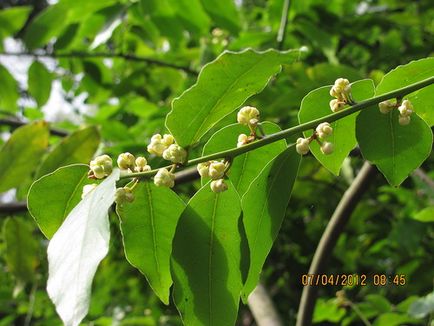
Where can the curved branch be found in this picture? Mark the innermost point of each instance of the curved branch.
(262, 307)
(334, 228)
(283, 24)
(17, 123)
(85, 55)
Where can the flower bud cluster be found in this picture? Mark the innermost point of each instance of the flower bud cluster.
(124, 195)
(302, 146)
(216, 171)
(127, 161)
(175, 154)
(164, 178)
(405, 111)
(160, 143)
(341, 90)
(248, 116)
(323, 131)
(101, 166)
(386, 106)
(218, 185)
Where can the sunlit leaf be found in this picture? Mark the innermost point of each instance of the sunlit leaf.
(148, 226)
(76, 250)
(8, 91)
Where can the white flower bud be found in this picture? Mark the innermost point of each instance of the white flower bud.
(123, 195)
(168, 140)
(302, 146)
(386, 106)
(247, 114)
(87, 189)
(404, 120)
(159, 144)
(218, 185)
(203, 169)
(242, 140)
(164, 178)
(101, 166)
(406, 108)
(341, 84)
(327, 148)
(336, 105)
(175, 153)
(324, 129)
(216, 170)
(141, 165)
(341, 89)
(126, 161)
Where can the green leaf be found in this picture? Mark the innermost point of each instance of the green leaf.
(76, 250)
(21, 252)
(52, 197)
(206, 259)
(423, 99)
(425, 215)
(316, 105)
(148, 226)
(79, 147)
(8, 91)
(392, 319)
(264, 206)
(223, 85)
(39, 82)
(12, 20)
(422, 307)
(396, 150)
(245, 167)
(19, 155)
(224, 13)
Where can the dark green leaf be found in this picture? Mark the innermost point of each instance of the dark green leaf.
(316, 105)
(12, 20)
(39, 82)
(423, 99)
(264, 206)
(20, 154)
(21, 252)
(396, 150)
(148, 226)
(79, 147)
(206, 259)
(223, 85)
(245, 167)
(8, 91)
(53, 196)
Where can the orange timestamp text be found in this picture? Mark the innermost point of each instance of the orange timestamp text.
(353, 279)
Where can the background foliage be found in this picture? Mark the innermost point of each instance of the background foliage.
(118, 64)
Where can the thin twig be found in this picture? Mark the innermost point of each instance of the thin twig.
(262, 307)
(85, 55)
(17, 123)
(334, 228)
(281, 34)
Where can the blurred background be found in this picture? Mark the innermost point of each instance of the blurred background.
(118, 64)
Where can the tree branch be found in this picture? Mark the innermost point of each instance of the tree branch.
(85, 55)
(283, 23)
(334, 228)
(262, 307)
(17, 123)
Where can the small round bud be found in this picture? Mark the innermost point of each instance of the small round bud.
(101, 166)
(87, 189)
(336, 105)
(141, 164)
(404, 120)
(98, 171)
(217, 170)
(302, 146)
(406, 108)
(324, 130)
(242, 140)
(126, 161)
(247, 114)
(164, 178)
(159, 144)
(341, 84)
(175, 153)
(327, 148)
(123, 195)
(386, 106)
(168, 140)
(203, 169)
(218, 185)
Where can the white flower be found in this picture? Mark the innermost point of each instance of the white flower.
(324, 129)
(242, 140)
(101, 166)
(126, 161)
(164, 178)
(336, 105)
(159, 144)
(141, 165)
(175, 154)
(406, 108)
(302, 146)
(327, 148)
(216, 170)
(248, 115)
(404, 120)
(203, 169)
(218, 185)
(87, 189)
(386, 106)
(341, 89)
